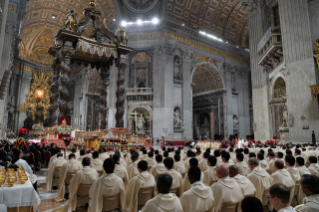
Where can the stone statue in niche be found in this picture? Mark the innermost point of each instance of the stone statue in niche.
(177, 118)
(177, 68)
(141, 123)
(235, 124)
(284, 117)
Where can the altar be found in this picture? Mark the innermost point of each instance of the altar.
(91, 138)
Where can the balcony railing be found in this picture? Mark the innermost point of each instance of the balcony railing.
(270, 53)
(139, 94)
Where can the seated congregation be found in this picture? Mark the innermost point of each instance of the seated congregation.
(255, 179)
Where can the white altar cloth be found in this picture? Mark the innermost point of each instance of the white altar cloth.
(19, 195)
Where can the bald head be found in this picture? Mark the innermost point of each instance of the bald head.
(222, 171)
(233, 171)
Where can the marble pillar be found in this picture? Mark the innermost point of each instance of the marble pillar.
(298, 56)
(259, 77)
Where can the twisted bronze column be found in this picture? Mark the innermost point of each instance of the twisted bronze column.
(65, 78)
(103, 102)
(120, 93)
(54, 93)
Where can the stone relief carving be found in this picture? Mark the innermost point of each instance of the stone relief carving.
(177, 68)
(177, 118)
(194, 61)
(166, 49)
(251, 5)
(235, 124)
(220, 66)
(233, 81)
(11, 28)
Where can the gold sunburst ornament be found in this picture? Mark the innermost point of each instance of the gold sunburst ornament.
(39, 95)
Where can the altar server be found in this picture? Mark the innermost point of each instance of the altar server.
(259, 178)
(96, 163)
(71, 166)
(199, 197)
(132, 170)
(86, 176)
(159, 168)
(179, 165)
(164, 201)
(108, 185)
(242, 166)
(225, 190)
(177, 177)
(142, 180)
(57, 163)
(282, 176)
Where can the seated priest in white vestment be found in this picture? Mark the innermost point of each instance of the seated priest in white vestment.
(226, 158)
(103, 154)
(159, 168)
(73, 151)
(282, 176)
(279, 198)
(96, 163)
(210, 176)
(314, 166)
(164, 201)
(24, 164)
(302, 169)
(247, 188)
(120, 169)
(190, 154)
(144, 154)
(186, 184)
(86, 176)
(71, 166)
(262, 162)
(246, 155)
(226, 190)
(82, 155)
(108, 185)
(132, 170)
(242, 166)
(310, 187)
(218, 157)
(294, 173)
(150, 160)
(177, 177)
(280, 156)
(199, 197)
(203, 163)
(142, 180)
(271, 162)
(128, 159)
(179, 165)
(57, 163)
(89, 154)
(199, 154)
(232, 154)
(259, 178)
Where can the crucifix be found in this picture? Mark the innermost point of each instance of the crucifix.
(135, 116)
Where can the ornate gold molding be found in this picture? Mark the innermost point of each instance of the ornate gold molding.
(172, 35)
(316, 52)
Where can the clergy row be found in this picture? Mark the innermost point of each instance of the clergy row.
(142, 172)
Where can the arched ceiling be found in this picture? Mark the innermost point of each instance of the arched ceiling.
(44, 17)
(225, 19)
